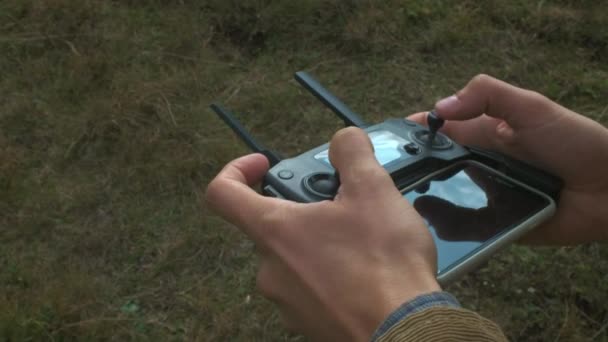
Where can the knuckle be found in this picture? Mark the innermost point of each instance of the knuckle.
(274, 222)
(213, 191)
(482, 80)
(537, 99)
(480, 84)
(272, 217)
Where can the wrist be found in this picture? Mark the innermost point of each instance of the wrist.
(418, 304)
(392, 296)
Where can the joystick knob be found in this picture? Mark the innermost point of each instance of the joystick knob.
(434, 122)
(429, 137)
(324, 185)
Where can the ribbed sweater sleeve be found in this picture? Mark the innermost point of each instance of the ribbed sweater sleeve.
(442, 323)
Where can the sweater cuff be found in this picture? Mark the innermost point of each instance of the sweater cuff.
(415, 305)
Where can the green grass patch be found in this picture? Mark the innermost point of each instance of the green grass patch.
(107, 142)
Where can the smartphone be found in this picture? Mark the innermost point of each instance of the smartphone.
(473, 211)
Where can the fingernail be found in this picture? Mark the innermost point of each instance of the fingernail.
(447, 104)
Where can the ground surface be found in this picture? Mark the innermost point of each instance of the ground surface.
(107, 142)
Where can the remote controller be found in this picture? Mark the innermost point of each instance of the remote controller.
(407, 150)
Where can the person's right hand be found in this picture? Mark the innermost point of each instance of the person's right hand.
(523, 124)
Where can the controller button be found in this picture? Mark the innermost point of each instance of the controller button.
(324, 185)
(285, 174)
(411, 148)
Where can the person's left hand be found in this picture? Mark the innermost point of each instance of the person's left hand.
(336, 269)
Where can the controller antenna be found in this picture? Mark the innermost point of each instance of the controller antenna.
(349, 117)
(273, 157)
(435, 123)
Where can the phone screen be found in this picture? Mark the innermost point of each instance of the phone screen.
(467, 206)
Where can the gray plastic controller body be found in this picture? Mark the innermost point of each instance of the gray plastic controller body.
(397, 146)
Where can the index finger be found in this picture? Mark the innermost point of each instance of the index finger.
(487, 95)
(230, 194)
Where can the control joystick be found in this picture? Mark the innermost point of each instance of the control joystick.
(430, 137)
(324, 185)
(438, 142)
(435, 123)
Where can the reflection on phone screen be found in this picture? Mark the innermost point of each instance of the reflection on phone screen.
(388, 147)
(468, 206)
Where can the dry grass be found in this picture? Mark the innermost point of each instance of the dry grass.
(106, 143)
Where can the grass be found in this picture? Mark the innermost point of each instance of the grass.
(107, 142)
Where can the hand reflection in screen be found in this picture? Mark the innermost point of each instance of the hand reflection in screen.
(506, 205)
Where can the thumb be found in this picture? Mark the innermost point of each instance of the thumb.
(352, 154)
(519, 108)
(229, 194)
